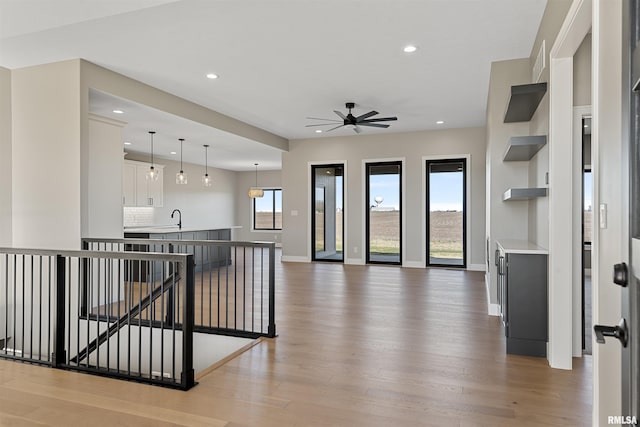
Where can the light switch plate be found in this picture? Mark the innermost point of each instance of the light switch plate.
(603, 215)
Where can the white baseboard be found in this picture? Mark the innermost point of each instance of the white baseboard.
(413, 264)
(494, 309)
(475, 267)
(354, 261)
(288, 258)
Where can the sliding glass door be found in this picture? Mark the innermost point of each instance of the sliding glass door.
(327, 186)
(446, 212)
(384, 216)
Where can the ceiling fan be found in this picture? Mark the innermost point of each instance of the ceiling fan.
(351, 120)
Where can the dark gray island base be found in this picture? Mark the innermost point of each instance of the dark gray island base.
(205, 257)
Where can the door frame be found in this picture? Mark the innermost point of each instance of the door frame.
(467, 204)
(579, 112)
(365, 198)
(363, 202)
(310, 203)
(427, 209)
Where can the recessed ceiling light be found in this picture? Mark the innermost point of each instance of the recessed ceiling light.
(318, 130)
(127, 143)
(440, 122)
(212, 76)
(173, 152)
(409, 49)
(118, 111)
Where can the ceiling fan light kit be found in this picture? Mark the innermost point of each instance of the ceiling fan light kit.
(351, 120)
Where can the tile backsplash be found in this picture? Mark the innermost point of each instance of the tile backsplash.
(134, 217)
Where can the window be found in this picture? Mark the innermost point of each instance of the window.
(267, 210)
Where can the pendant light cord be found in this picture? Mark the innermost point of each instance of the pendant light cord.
(151, 132)
(181, 141)
(256, 174)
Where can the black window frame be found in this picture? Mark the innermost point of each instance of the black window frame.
(273, 216)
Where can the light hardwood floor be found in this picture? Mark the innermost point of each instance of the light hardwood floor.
(357, 346)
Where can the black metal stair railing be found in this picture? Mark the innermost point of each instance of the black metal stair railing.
(157, 292)
(234, 281)
(79, 310)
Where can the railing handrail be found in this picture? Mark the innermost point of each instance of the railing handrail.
(135, 241)
(129, 255)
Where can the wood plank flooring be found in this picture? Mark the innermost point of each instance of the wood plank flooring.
(357, 346)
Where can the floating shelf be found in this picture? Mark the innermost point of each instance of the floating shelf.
(523, 193)
(524, 101)
(523, 147)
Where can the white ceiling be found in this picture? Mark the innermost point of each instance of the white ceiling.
(281, 61)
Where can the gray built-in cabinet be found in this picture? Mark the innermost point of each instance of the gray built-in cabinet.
(522, 296)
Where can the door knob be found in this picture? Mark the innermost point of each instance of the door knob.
(621, 274)
(619, 331)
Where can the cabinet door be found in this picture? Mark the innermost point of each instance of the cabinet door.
(155, 189)
(142, 194)
(129, 185)
(526, 296)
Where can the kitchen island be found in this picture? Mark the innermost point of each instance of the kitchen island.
(205, 257)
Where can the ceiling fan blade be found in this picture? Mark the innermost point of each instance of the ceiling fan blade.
(342, 116)
(329, 130)
(326, 120)
(366, 115)
(381, 119)
(375, 125)
(320, 124)
(357, 129)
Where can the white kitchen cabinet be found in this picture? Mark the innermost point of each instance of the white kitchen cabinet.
(128, 184)
(137, 190)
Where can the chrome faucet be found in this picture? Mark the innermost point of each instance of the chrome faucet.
(179, 218)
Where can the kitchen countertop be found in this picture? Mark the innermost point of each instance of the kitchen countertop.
(512, 246)
(166, 229)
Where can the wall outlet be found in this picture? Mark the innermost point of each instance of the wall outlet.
(294, 213)
(355, 249)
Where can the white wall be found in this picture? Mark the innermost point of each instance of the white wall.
(412, 146)
(538, 226)
(5, 158)
(46, 121)
(504, 220)
(244, 205)
(102, 175)
(207, 207)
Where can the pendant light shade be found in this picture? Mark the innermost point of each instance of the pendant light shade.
(255, 192)
(152, 174)
(181, 177)
(207, 181)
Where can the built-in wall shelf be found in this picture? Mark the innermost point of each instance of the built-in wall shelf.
(523, 194)
(524, 101)
(522, 148)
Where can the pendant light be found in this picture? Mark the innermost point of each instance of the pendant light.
(206, 179)
(181, 177)
(152, 174)
(255, 192)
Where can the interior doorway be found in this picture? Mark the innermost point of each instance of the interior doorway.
(587, 233)
(446, 186)
(327, 220)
